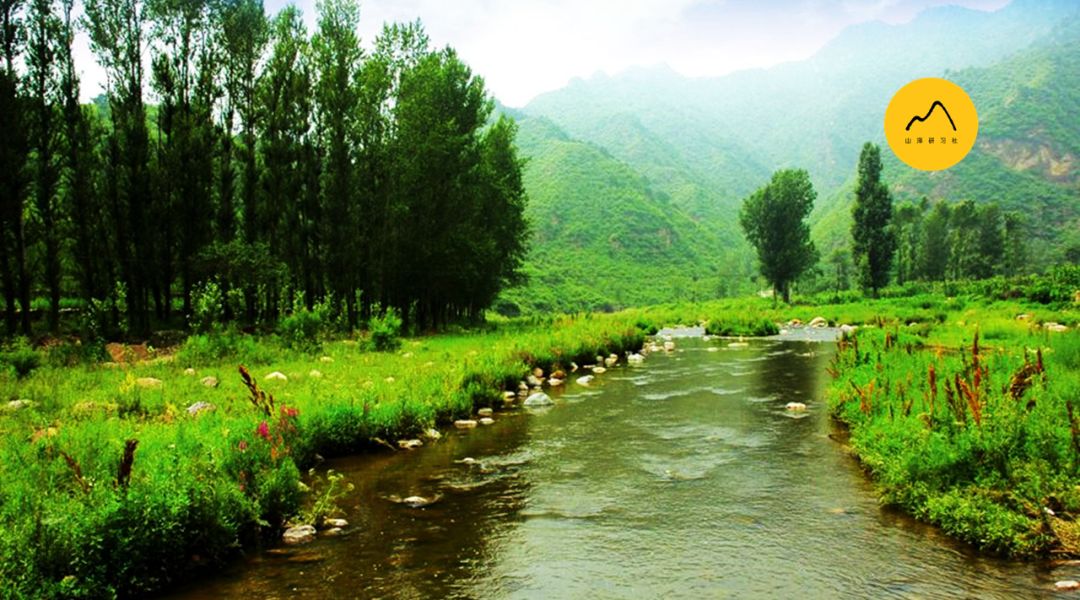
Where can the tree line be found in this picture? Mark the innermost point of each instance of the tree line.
(232, 147)
(911, 241)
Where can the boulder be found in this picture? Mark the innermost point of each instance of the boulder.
(340, 523)
(199, 408)
(1067, 585)
(315, 374)
(819, 322)
(485, 412)
(586, 380)
(795, 407)
(149, 383)
(189, 372)
(301, 534)
(533, 381)
(538, 373)
(539, 399)
(465, 423)
(487, 421)
(276, 376)
(555, 382)
(409, 444)
(210, 381)
(558, 374)
(20, 404)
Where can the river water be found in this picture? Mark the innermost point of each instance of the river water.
(680, 478)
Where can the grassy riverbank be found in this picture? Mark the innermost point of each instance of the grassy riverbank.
(87, 511)
(971, 421)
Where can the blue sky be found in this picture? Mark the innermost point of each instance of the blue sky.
(527, 47)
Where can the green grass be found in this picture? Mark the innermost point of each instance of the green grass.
(979, 438)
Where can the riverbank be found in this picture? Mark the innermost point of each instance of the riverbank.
(120, 479)
(972, 422)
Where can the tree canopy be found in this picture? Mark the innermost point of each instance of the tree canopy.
(774, 220)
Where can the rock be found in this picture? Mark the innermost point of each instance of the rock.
(419, 501)
(509, 396)
(795, 407)
(794, 323)
(533, 381)
(1023, 317)
(523, 387)
(341, 523)
(1066, 585)
(210, 381)
(300, 534)
(20, 404)
(465, 423)
(538, 373)
(635, 358)
(390, 379)
(409, 444)
(333, 532)
(586, 380)
(555, 382)
(431, 435)
(611, 361)
(669, 346)
(149, 383)
(819, 322)
(599, 370)
(468, 460)
(485, 412)
(1055, 327)
(487, 421)
(539, 399)
(189, 372)
(558, 374)
(315, 374)
(573, 367)
(276, 376)
(199, 408)
(738, 344)
(847, 329)
(326, 359)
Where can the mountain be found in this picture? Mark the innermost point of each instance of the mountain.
(602, 236)
(695, 148)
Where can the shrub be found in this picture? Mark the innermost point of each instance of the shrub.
(302, 328)
(21, 357)
(385, 330)
(207, 307)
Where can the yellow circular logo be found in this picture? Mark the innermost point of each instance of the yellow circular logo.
(931, 124)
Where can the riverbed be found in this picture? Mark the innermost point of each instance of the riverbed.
(682, 477)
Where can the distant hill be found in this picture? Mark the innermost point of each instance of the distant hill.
(694, 148)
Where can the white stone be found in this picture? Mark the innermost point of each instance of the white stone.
(586, 380)
(189, 372)
(276, 376)
(149, 383)
(209, 381)
(431, 435)
(599, 370)
(18, 404)
(669, 346)
(326, 359)
(487, 421)
(1067, 584)
(539, 399)
(635, 359)
(341, 523)
(300, 534)
(199, 408)
(315, 374)
(819, 322)
(555, 382)
(533, 380)
(485, 412)
(795, 407)
(465, 423)
(409, 444)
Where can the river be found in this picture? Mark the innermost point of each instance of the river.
(684, 477)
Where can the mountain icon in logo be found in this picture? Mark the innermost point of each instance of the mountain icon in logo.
(930, 112)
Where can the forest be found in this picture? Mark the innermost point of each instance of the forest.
(240, 169)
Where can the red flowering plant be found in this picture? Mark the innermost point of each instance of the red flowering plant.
(261, 458)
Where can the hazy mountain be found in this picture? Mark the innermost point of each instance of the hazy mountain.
(697, 147)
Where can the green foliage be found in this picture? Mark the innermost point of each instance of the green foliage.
(873, 238)
(385, 329)
(207, 307)
(304, 328)
(20, 357)
(773, 219)
(206, 349)
(325, 493)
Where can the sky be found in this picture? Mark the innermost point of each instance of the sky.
(524, 48)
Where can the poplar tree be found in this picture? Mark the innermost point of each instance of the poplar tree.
(874, 242)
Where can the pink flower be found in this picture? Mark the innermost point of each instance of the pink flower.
(263, 431)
